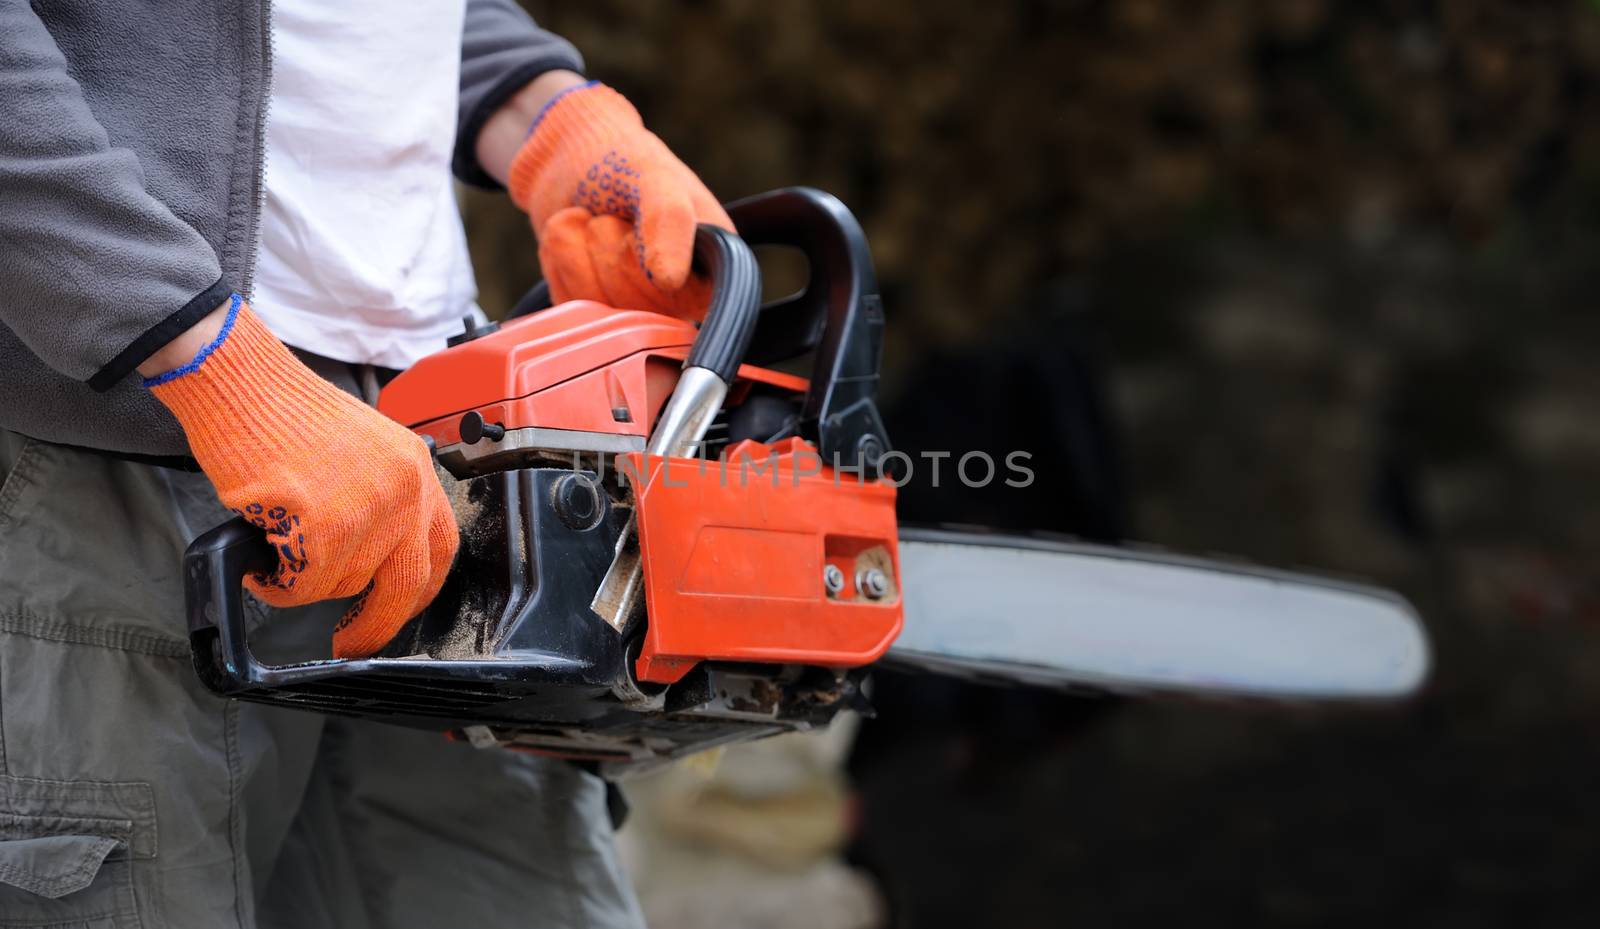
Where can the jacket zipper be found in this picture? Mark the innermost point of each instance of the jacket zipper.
(260, 194)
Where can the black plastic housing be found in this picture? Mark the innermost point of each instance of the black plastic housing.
(838, 314)
(510, 649)
(520, 589)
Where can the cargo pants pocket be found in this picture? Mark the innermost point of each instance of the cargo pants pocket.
(72, 853)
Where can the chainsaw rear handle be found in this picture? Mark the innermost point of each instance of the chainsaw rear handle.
(214, 568)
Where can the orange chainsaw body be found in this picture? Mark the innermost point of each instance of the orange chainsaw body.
(735, 552)
(605, 604)
(735, 549)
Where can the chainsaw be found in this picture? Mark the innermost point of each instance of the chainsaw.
(669, 543)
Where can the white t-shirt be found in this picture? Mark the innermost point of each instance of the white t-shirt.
(362, 255)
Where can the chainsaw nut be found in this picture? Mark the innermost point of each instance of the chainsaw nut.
(833, 580)
(873, 583)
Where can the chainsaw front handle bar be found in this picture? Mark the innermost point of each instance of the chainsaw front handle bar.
(730, 320)
(719, 347)
(837, 315)
(708, 372)
(730, 323)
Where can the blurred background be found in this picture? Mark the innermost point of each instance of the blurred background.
(1305, 282)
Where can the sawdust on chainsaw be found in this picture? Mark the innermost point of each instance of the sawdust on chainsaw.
(472, 619)
(462, 640)
(467, 510)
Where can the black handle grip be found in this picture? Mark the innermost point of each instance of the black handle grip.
(735, 301)
(214, 569)
(839, 314)
(537, 298)
(841, 273)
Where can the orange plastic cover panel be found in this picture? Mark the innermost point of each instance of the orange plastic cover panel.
(735, 553)
(527, 355)
(581, 366)
(621, 398)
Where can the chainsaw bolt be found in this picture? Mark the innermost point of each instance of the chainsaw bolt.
(873, 583)
(577, 501)
(869, 451)
(833, 580)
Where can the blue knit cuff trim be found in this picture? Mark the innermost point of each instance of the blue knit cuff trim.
(204, 353)
(552, 102)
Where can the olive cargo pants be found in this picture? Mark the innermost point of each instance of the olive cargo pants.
(132, 797)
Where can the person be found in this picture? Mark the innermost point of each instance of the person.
(221, 225)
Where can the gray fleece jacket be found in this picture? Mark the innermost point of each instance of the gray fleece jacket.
(131, 163)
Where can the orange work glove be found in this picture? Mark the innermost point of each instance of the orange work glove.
(613, 208)
(347, 496)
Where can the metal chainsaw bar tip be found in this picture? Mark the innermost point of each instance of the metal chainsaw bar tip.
(1047, 613)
